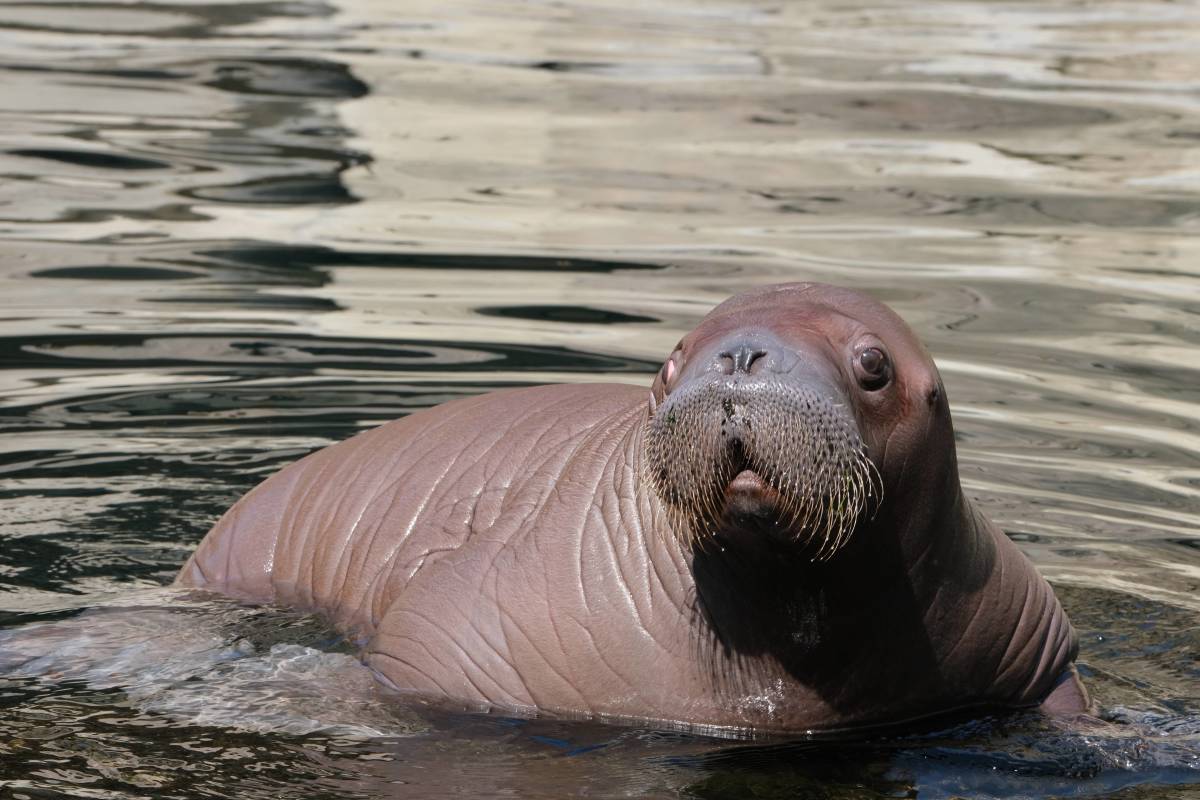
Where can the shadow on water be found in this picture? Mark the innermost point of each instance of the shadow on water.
(236, 232)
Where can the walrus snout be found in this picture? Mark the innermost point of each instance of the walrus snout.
(756, 438)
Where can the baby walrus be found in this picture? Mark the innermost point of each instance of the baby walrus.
(773, 539)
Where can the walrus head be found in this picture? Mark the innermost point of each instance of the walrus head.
(776, 414)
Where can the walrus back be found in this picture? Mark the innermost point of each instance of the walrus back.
(341, 530)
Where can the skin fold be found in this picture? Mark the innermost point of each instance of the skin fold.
(600, 550)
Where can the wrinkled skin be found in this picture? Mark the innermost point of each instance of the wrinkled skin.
(514, 550)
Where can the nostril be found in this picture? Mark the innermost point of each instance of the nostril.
(752, 358)
(744, 359)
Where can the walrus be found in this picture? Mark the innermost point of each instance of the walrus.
(772, 539)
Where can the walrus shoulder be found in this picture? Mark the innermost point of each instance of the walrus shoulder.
(325, 532)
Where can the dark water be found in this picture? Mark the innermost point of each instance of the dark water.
(235, 232)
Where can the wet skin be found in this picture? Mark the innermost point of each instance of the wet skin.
(774, 539)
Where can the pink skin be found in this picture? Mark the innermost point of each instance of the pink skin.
(506, 551)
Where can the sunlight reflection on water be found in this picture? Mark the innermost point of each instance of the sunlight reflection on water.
(235, 232)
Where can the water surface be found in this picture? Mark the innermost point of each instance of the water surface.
(236, 232)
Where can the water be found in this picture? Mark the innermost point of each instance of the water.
(235, 232)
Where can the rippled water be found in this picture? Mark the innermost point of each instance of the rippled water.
(235, 232)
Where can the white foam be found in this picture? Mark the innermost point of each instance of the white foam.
(194, 664)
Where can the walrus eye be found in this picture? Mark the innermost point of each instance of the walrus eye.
(874, 369)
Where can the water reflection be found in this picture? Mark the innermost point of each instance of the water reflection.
(235, 232)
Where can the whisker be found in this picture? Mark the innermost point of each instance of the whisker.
(800, 444)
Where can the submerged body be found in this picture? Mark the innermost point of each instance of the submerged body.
(775, 539)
